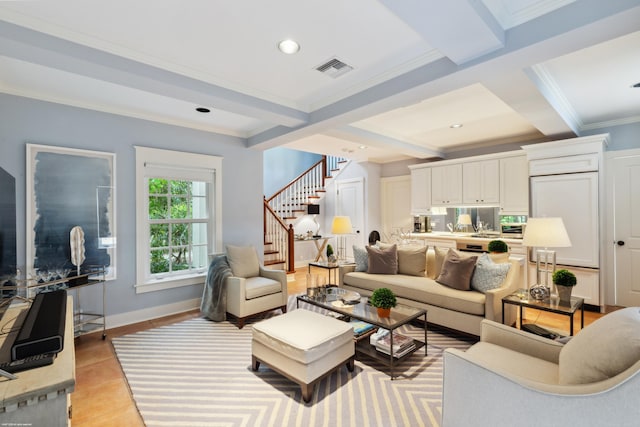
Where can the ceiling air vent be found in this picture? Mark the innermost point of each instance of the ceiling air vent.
(334, 68)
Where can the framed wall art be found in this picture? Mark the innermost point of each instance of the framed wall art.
(67, 188)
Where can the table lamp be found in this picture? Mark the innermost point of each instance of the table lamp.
(545, 233)
(341, 226)
(464, 220)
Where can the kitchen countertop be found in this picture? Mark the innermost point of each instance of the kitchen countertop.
(462, 237)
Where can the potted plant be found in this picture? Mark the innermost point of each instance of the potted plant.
(330, 257)
(383, 299)
(564, 281)
(497, 246)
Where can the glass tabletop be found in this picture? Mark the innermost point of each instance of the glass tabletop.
(400, 314)
(551, 303)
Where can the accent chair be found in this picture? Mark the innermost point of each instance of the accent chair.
(253, 289)
(512, 377)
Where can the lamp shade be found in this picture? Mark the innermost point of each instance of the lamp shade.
(464, 219)
(546, 232)
(341, 225)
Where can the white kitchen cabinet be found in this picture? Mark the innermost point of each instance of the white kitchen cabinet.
(421, 191)
(481, 182)
(514, 186)
(446, 185)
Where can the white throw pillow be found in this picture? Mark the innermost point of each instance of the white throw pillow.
(361, 258)
(488, 275)
(603, 349)
(243, 261)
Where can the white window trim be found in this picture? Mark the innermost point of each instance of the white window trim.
(186, 161)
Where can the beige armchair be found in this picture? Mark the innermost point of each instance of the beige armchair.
(253, 289)
(515, 378)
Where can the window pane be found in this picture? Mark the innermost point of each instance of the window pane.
(159, 235)
(180, 207)
(158, 207)
(158, 186)
(199, 208)
(180, 187)
(179, 259)
(199, 189)
(159, 261)
(199, 257)
(180, 235)
(199, 234)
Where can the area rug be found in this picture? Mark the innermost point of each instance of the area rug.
(198, 373)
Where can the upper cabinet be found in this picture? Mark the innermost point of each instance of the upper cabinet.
(446, 185)
(481, 182)
(514, 186)
(421, 191)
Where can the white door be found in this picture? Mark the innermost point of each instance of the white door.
(350, 202)
(626, 237)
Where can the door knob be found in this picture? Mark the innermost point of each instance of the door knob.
(620, 242)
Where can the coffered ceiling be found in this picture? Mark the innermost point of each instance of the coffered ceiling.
(508, 71)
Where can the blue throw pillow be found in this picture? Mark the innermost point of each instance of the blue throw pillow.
(361, 258)
(488, 275)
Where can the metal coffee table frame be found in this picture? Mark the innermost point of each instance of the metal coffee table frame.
(400, 316)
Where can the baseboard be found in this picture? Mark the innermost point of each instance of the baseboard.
(131, 317)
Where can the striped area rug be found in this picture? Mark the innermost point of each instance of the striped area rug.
(198, 373)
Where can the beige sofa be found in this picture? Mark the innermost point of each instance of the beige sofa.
(451, 308)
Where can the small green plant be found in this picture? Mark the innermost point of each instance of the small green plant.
(564, 278)
(497, 246)
(329, 250)
(383, 298)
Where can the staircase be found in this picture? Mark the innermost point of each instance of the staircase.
(288, 204)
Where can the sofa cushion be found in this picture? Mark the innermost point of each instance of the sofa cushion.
(457, 271)
(243, 261)
(488, 275)
(412, 260)
(361, 258)
(603, 349)
(420, 289)
(502, 359)
(257, 287)
(382, 261)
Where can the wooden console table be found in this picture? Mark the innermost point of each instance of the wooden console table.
(40, 396)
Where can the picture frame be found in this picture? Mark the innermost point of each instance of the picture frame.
(68, 187)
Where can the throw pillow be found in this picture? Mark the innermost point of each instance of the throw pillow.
(456, 271)
(361, 258)
(488, 274)
(382, 261)
(243, 261)
(435, 264)
(412, 260)
(603, 349)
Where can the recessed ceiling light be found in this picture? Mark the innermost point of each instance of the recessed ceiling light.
(363, 147)
(456, 125)
(203, 110)
(288, 46)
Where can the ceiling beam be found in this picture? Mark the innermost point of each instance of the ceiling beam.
(49, 51)
(461, 30)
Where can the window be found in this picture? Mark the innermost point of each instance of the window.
(177, 217)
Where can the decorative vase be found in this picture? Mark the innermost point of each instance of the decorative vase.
(564, 292)
(384, 312)
(539, 292)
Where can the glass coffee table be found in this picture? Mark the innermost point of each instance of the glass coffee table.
(400, 315)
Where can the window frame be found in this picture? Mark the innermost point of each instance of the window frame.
(156, 163)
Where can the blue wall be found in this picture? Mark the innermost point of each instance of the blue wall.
(29, 121)
(281, 165)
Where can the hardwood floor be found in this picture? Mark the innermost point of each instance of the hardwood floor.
(102, 396)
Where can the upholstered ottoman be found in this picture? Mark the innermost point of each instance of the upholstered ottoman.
(303, 346)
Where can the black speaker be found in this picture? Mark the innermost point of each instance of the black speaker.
(313, 209)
